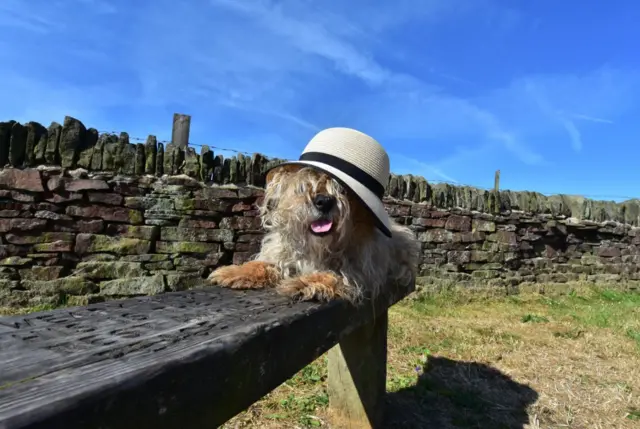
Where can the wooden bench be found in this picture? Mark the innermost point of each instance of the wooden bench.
(187, 360)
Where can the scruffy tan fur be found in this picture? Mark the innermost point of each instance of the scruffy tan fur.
(353, 260)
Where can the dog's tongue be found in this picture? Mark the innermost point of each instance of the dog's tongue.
(321, 225)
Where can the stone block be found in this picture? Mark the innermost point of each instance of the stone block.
(483, 225)
(250, 238)
(159, 204)
(8, 285)
(9, 273)
(458, 223)
(109, 269)
(184, 281)
(40, 273)
(93, 226)
(197, 223)
(54, 247)
(212, 206)
(150, 233)
(435, 236)
(196, 234)
(215, 193)
(154, 257)
(95, 243)
(71, 139)
(47, 214)
(106, 198)
(241, 223)
(113, 214)
(21, 224)
(132, 286)
(186, 247)
(211, 260)
(46, 237)
(66, 285)
(459, 257)
(608, 251)
(64, 197)
(429, 222)
(159, 266)
(78, 185)
(28, 179)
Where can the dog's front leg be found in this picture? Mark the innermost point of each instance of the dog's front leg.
(323, 285)
(250, 275)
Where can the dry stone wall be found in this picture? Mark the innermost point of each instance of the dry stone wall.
(87, 216)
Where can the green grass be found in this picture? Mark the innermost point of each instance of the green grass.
(9, 311)
(619, 311)
(533, 318)
(457, 361)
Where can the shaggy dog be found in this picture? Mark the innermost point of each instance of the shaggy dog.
(321, 243)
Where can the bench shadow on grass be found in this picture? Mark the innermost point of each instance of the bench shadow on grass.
(457, 394)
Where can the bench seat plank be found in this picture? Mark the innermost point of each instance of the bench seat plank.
(189, 359)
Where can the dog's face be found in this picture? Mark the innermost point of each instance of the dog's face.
(312, 207)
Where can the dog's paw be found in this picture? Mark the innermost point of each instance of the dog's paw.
(250, 275)
(323, 286)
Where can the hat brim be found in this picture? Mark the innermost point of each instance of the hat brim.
(368, 199)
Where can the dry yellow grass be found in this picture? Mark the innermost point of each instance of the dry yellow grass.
(528, 361)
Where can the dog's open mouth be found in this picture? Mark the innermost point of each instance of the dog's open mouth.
(321, 226)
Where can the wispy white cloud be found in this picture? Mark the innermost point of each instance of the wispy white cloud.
(45, 103)
(278, 114)
(321, 37)
(574, 134)
(253, 69)
(99, 6)
(547, 108)
(311, 38)
(572, 103)
(13, 14)
(591, 118)
(402, 164)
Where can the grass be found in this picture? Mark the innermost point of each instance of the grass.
(525, 361)
(459, 361)
(10, 311)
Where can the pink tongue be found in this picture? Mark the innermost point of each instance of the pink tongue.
(321, 225)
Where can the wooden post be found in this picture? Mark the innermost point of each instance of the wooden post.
(180, 132)
(357, 372)
(494, 202)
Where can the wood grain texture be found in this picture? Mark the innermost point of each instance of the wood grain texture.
(176, 360)
(357, 373)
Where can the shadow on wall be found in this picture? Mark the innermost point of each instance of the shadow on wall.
(457, 394)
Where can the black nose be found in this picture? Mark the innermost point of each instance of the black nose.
(324, 203)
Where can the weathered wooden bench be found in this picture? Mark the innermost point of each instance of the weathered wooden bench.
(187, 359)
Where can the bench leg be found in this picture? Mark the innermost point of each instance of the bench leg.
(357, 372)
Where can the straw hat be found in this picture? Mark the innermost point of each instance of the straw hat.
(357, 161)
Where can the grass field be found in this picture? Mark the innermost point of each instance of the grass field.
(526, 361)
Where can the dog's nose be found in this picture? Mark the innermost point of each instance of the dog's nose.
(324, 203)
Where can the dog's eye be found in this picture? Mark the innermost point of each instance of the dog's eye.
(339, 189)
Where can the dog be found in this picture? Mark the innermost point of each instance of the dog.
(321, 242)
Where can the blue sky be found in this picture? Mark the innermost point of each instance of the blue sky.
(546, 91)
